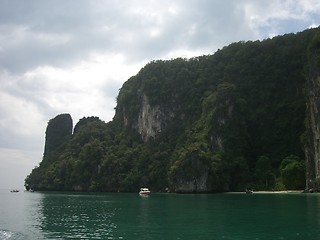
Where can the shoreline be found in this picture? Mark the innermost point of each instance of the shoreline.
(269, 192)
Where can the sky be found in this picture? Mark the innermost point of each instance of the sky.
(72, 56)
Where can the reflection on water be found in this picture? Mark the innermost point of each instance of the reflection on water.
(77, 216)
(19, 214)
(313, 210)
(143, 218)
(6, 235)
(160, 216)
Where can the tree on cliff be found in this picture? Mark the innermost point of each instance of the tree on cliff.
(293, 172)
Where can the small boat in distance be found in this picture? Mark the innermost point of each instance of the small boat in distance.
(249, 191)
(144, 192)
(14, 190)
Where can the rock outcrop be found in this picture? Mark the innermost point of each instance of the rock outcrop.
(151, 120)
(58, 129)
(312, 141)
(198, 183)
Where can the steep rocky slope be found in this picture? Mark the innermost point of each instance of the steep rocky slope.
(221, 122)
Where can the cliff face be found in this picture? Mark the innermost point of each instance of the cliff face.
(312, 141)
(313, 136)
(198, 183)
(151, 120)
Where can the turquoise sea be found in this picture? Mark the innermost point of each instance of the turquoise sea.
(124, 216)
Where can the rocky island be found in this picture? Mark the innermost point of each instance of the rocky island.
(246, 116)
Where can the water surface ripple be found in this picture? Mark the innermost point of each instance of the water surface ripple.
(161, 216)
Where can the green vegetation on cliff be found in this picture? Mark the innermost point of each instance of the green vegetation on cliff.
(227, 121)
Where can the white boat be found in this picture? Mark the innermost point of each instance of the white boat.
(144, 192)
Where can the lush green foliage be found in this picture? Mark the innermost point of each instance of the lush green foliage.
(293, 171)
(234, 116)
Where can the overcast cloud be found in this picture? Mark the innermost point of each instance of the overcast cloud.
(73, 56)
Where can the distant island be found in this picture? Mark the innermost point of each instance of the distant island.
(245, 117)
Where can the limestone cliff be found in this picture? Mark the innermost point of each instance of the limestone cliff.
(197, 183)
(312, 141)
(152, 119)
